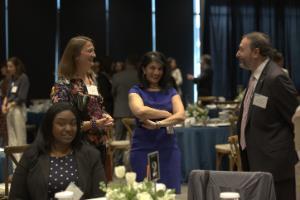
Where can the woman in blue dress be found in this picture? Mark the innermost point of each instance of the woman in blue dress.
(157, 107)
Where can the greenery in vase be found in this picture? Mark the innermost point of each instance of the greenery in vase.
(132, 190)
(199, 113)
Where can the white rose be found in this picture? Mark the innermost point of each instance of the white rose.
(120, 171)
(160, 186)
(144, 196)
(130, 177)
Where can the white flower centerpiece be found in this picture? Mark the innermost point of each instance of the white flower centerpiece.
(132, 190)
(198, 113)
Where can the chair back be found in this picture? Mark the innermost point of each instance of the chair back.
(207, 99)
(9, 155)
(207, 185)
(129, 123)
(235, 155)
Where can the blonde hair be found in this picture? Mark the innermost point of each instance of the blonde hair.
(67, 64)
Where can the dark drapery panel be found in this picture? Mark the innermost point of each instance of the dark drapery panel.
(2, 31)
(174, 36)
(83, 17)
(130, 28)
(32, 39)
(227, 21)
(291, 45)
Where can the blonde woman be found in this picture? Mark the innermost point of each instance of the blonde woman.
(77, 85)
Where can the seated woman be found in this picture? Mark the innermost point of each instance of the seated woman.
(56, 158)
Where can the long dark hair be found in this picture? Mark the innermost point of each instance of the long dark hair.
(155, 56)
(45, 137)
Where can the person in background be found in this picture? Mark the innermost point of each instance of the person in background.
(278, 58)
(104, 86)
(121, 83)
(14, 103)
(3, 91)
(176, 74)
(205, 80)
(77, 85)
(265, 127)
(118, 66)
(157, 107)
(56, 158)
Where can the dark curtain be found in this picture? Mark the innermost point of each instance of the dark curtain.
(130, 28)
(2, 31)
(32, 39)
(225, 22)
(83, 17)
(174, 37)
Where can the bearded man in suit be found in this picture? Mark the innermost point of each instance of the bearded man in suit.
(265, 125)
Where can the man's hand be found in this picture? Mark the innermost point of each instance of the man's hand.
(189, 77)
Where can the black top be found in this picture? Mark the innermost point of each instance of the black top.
(30, 180)
(63, 171)
(204, 81)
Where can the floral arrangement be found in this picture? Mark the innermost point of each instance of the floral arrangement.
(199, 113)
(131, 190)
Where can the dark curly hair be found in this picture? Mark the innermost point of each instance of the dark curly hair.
(261, 41)
(155, 56)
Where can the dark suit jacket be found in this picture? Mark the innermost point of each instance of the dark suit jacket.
(121, 83)
(105, 87)
(204, 81)
(269, 132)
(30, 179)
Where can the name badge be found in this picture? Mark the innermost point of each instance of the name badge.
(170, 129)
(260, 100)
(14, 89)
(92, 90)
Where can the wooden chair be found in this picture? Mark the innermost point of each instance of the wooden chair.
(129, 123)
(9, 155)
(224, 149)
(124, 145)
(235, 156)
(207, 99)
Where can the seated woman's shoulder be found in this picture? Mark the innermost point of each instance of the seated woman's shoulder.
(89, 150)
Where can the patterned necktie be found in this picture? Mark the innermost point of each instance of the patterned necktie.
(251, 87)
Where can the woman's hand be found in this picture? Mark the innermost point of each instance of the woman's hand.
(4, 109)
(149, 124)
(105, 122)
(109, 120)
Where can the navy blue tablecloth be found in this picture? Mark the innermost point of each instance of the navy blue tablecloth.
(197, 145)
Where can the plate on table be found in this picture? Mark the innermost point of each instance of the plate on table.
(218, 124)
(223, 124)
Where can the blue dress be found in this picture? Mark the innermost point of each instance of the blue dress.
(145, 141)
